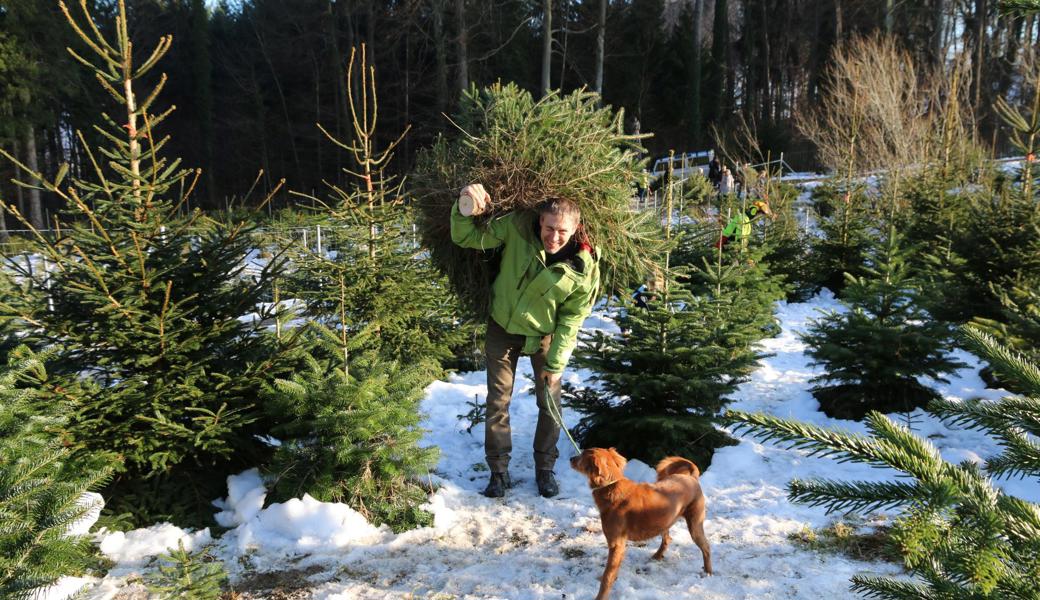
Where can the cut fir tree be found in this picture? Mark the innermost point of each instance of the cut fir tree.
(873, 354)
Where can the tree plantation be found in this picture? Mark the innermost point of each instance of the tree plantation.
(285, 284)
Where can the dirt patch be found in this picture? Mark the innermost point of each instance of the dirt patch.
(292, 584)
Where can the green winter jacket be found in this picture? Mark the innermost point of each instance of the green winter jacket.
(529, 298)
(739, 227)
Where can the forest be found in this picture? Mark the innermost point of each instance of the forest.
(251, 78)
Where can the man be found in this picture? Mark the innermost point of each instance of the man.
(739, 227)
(544, 290)
(715, 171)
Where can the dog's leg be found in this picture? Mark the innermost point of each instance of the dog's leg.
(665, 539)
(615, 553)
(695, 514)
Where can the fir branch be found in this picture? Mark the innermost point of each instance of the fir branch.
(1009, 363)
(879, 587)
(856, 496)
(840, 445)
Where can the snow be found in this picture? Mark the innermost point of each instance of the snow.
(134, 548)
(246, 494)
(527, 547)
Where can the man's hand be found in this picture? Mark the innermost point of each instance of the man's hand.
(553, 379)
(473, 200)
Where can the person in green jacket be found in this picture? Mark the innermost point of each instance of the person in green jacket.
(544, 290)
(739, 227)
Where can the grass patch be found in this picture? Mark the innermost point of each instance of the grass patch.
(851, 538)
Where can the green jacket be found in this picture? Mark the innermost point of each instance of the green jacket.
(529, 298)
(739, 227)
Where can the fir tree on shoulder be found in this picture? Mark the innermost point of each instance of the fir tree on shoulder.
(43, 494)
(959, 535)
(873, 354)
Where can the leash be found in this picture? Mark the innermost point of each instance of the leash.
(556, 414)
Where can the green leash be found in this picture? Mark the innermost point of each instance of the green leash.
(555, 413)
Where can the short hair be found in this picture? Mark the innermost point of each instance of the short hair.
(559, 206)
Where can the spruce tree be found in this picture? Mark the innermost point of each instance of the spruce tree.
(997, 249)
(845, 228)
(960, 537)
(873, 353)
(41, 488)
(663, 380)
(146, 304)
(351, 431)
(382, 319)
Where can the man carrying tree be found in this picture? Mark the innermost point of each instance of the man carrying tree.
(543, 292)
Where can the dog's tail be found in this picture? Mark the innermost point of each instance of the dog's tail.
(676, 465)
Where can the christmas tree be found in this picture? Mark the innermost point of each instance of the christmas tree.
(382, 321)
(42, 491)
(873, 353)
(960, 537)
(524, 151)
(664, 380)
(145, 306)
(845, 227)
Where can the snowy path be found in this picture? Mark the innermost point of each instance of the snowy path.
(526, 548)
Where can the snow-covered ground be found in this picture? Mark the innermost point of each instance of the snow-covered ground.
(525, 547)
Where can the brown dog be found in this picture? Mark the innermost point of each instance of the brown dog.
(640, 511)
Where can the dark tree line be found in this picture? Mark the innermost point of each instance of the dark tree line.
(251, 78)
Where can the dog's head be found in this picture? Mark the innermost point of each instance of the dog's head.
(600, 465)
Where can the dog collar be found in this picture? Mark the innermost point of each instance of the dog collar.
(606, 485)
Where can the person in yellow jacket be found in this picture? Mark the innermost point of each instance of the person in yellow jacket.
(739, 227)
(544, 290)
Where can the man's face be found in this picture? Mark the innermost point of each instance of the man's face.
(557, 231)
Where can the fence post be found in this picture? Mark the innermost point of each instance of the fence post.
(318, 235)
(305, 239)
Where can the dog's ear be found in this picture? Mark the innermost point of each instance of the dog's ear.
(618, 460)
(601, 469)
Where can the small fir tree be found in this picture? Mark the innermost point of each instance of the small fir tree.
(351, 430)
(960, 537)
(185, 575)
(845, 235)
(147, 306)
(873, 353)
(41, 489)
(665, 379)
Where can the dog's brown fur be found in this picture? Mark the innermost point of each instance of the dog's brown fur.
(639, 511)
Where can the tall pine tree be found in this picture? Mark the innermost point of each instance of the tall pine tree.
(382, 319)
(147, 305)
